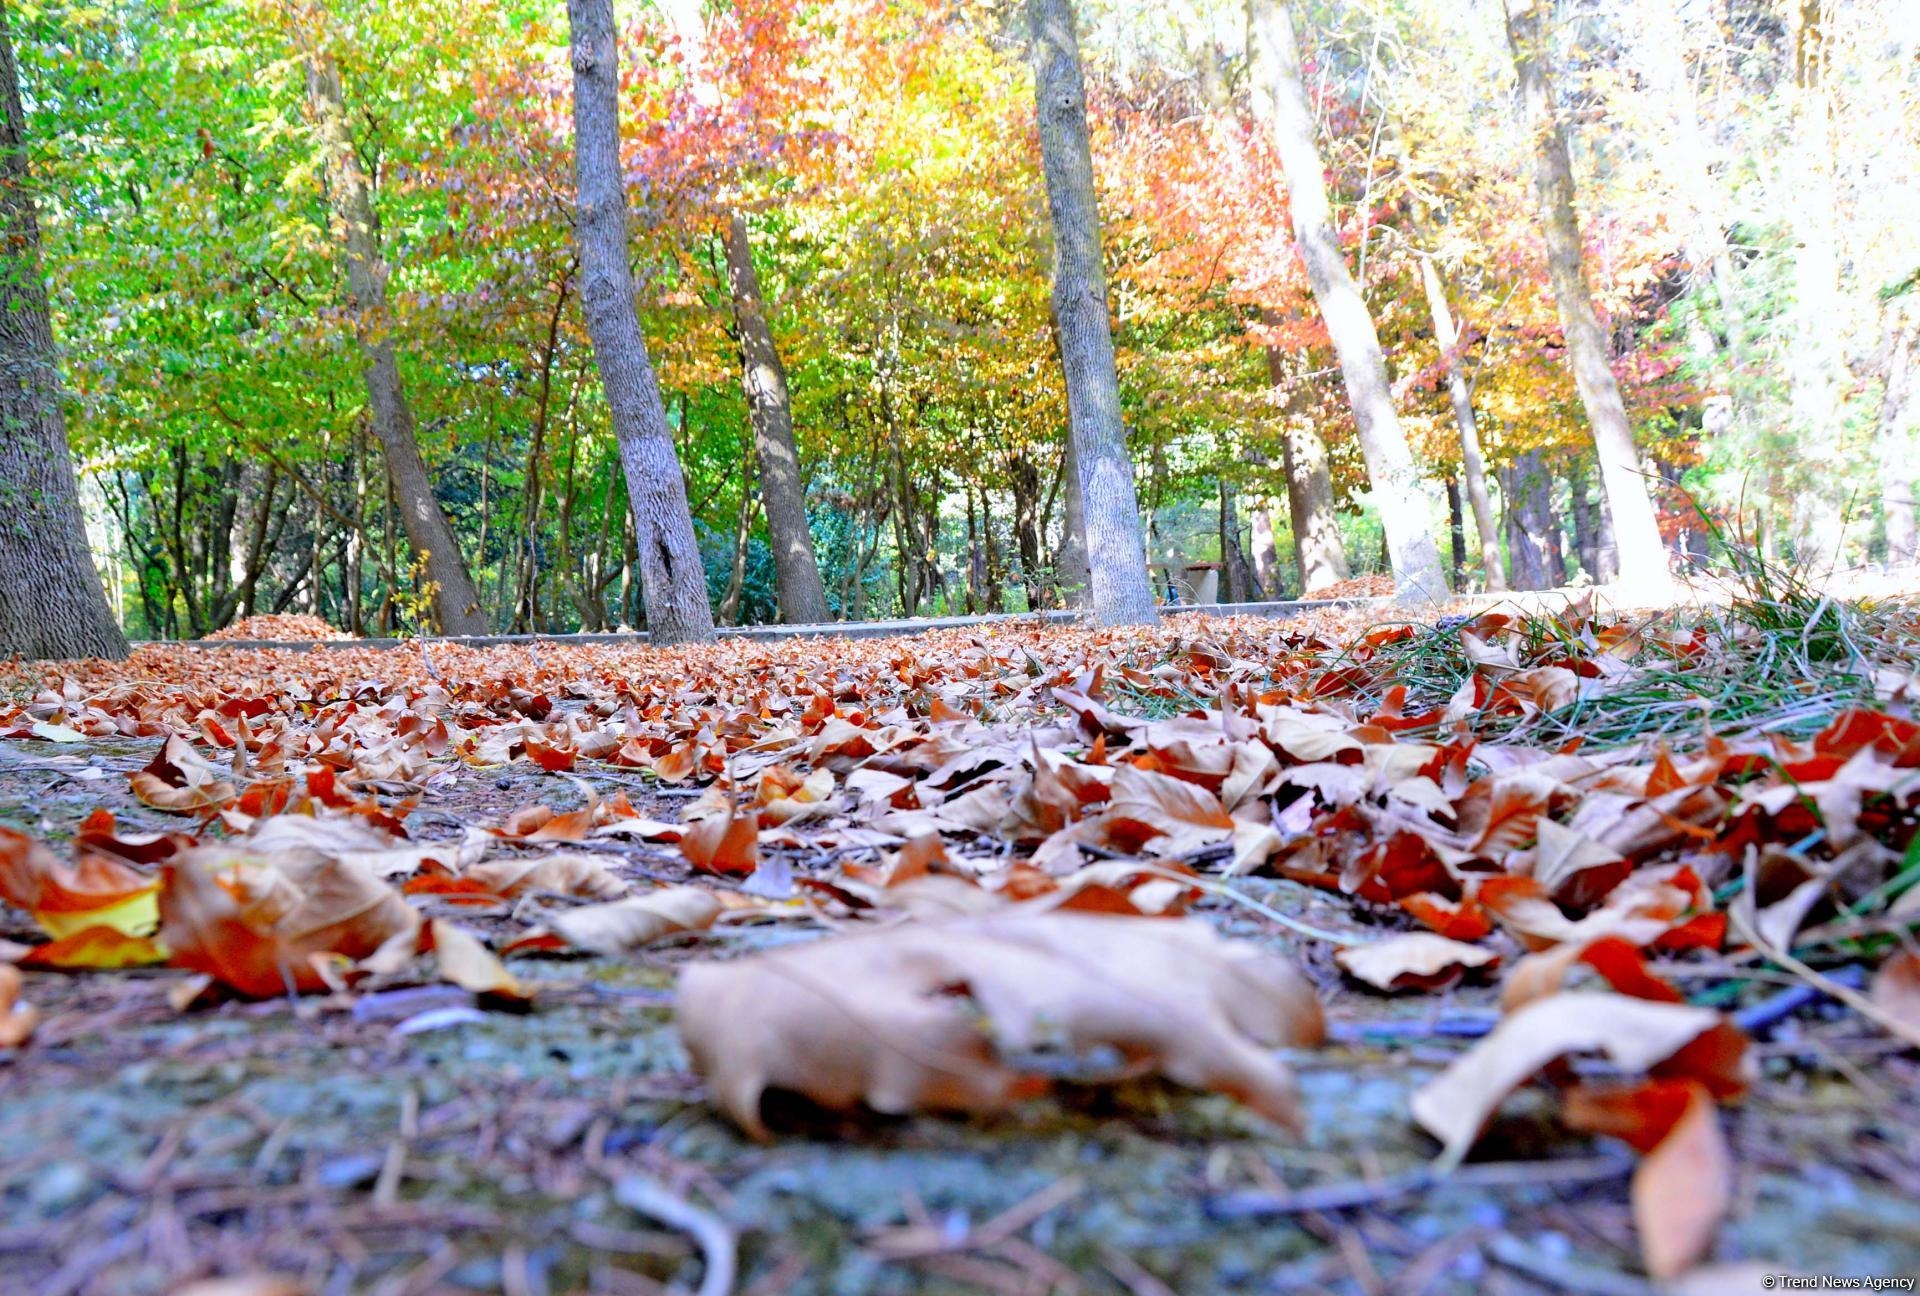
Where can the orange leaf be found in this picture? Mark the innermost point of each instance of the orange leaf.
(95, 947)
(728, 843)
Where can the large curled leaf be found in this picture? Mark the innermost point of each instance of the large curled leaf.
(263, 926)
(1635, 1033)
(937, 1016)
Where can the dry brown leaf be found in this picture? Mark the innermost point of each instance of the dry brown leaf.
(1166, 815)
(17, 1016)
(97, 891)
(1684, 1184)
(723, 843)
(265, 927)
(1414, 960)
(467, 963)
(626, 925)
(1896, 987)
(583, 877)
(934, 1016)
(1634, 1033)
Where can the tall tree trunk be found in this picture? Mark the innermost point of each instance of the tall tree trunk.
(1586, 535)
(1116, 547)
(456, 600)
(1532, 533)
(1319, 553)
(742, 537)
(1643, 557)
(1236, 573)
(1473, 463)
(671, 574)
(783, 493)
(1275, 57)
(51, 601)
(1073, 577)
(1456, 531)
(1266, 557)
(1894, 441)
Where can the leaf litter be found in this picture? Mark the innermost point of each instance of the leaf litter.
(958, 872)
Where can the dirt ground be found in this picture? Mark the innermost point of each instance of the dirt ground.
(407, 1141)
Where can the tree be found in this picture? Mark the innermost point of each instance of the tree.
(1473, 463)
(51, 601)
(1643, 556)
(1275, 56)
(456, 599)
(1121, 592)
(783, 493)
(672, 577)
(1319, 554)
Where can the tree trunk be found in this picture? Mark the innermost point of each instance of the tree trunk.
(1643, 557)
(456, 600)
(51, 601)
(742, 537)
(1116, 547)
(1473, 464)
(1586, 535)
(1456, 531)
(1275, 57)
(1266, 557)
(1236, 574)
(1072, 576)
(671, 575)
(1318, 551)
(1531, 530)
(1894, 442)
(783, 493)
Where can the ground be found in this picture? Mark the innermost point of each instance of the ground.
(387, 1139)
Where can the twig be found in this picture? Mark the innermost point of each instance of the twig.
(716, 1241)
(1738, 914)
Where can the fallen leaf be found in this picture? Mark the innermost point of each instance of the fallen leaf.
(1634, 1033)
(95, 947)
(1167, 815)
(467, 963)
(936, 1016)
(627, 925)
(266, 927)
(1414, 960)
(96, 891)
(1896, 987)
(1683, 1186)
(17, 1017)
(583, 877)
(723, 843)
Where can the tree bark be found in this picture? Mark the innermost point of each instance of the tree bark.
(1236, 573)
(1532, 533)
(1473, 464)
(1275, 56)
(1643, 556)
(1319, 554)
(456, 600)
(671, 575)
(1266, 557)
(1122, 594)
(51, 601)
(1456, 531)
(783, 492)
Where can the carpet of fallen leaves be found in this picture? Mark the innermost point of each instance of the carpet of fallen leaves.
(1160, 930)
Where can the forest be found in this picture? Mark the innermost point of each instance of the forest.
(254, 217)
(900, 647)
